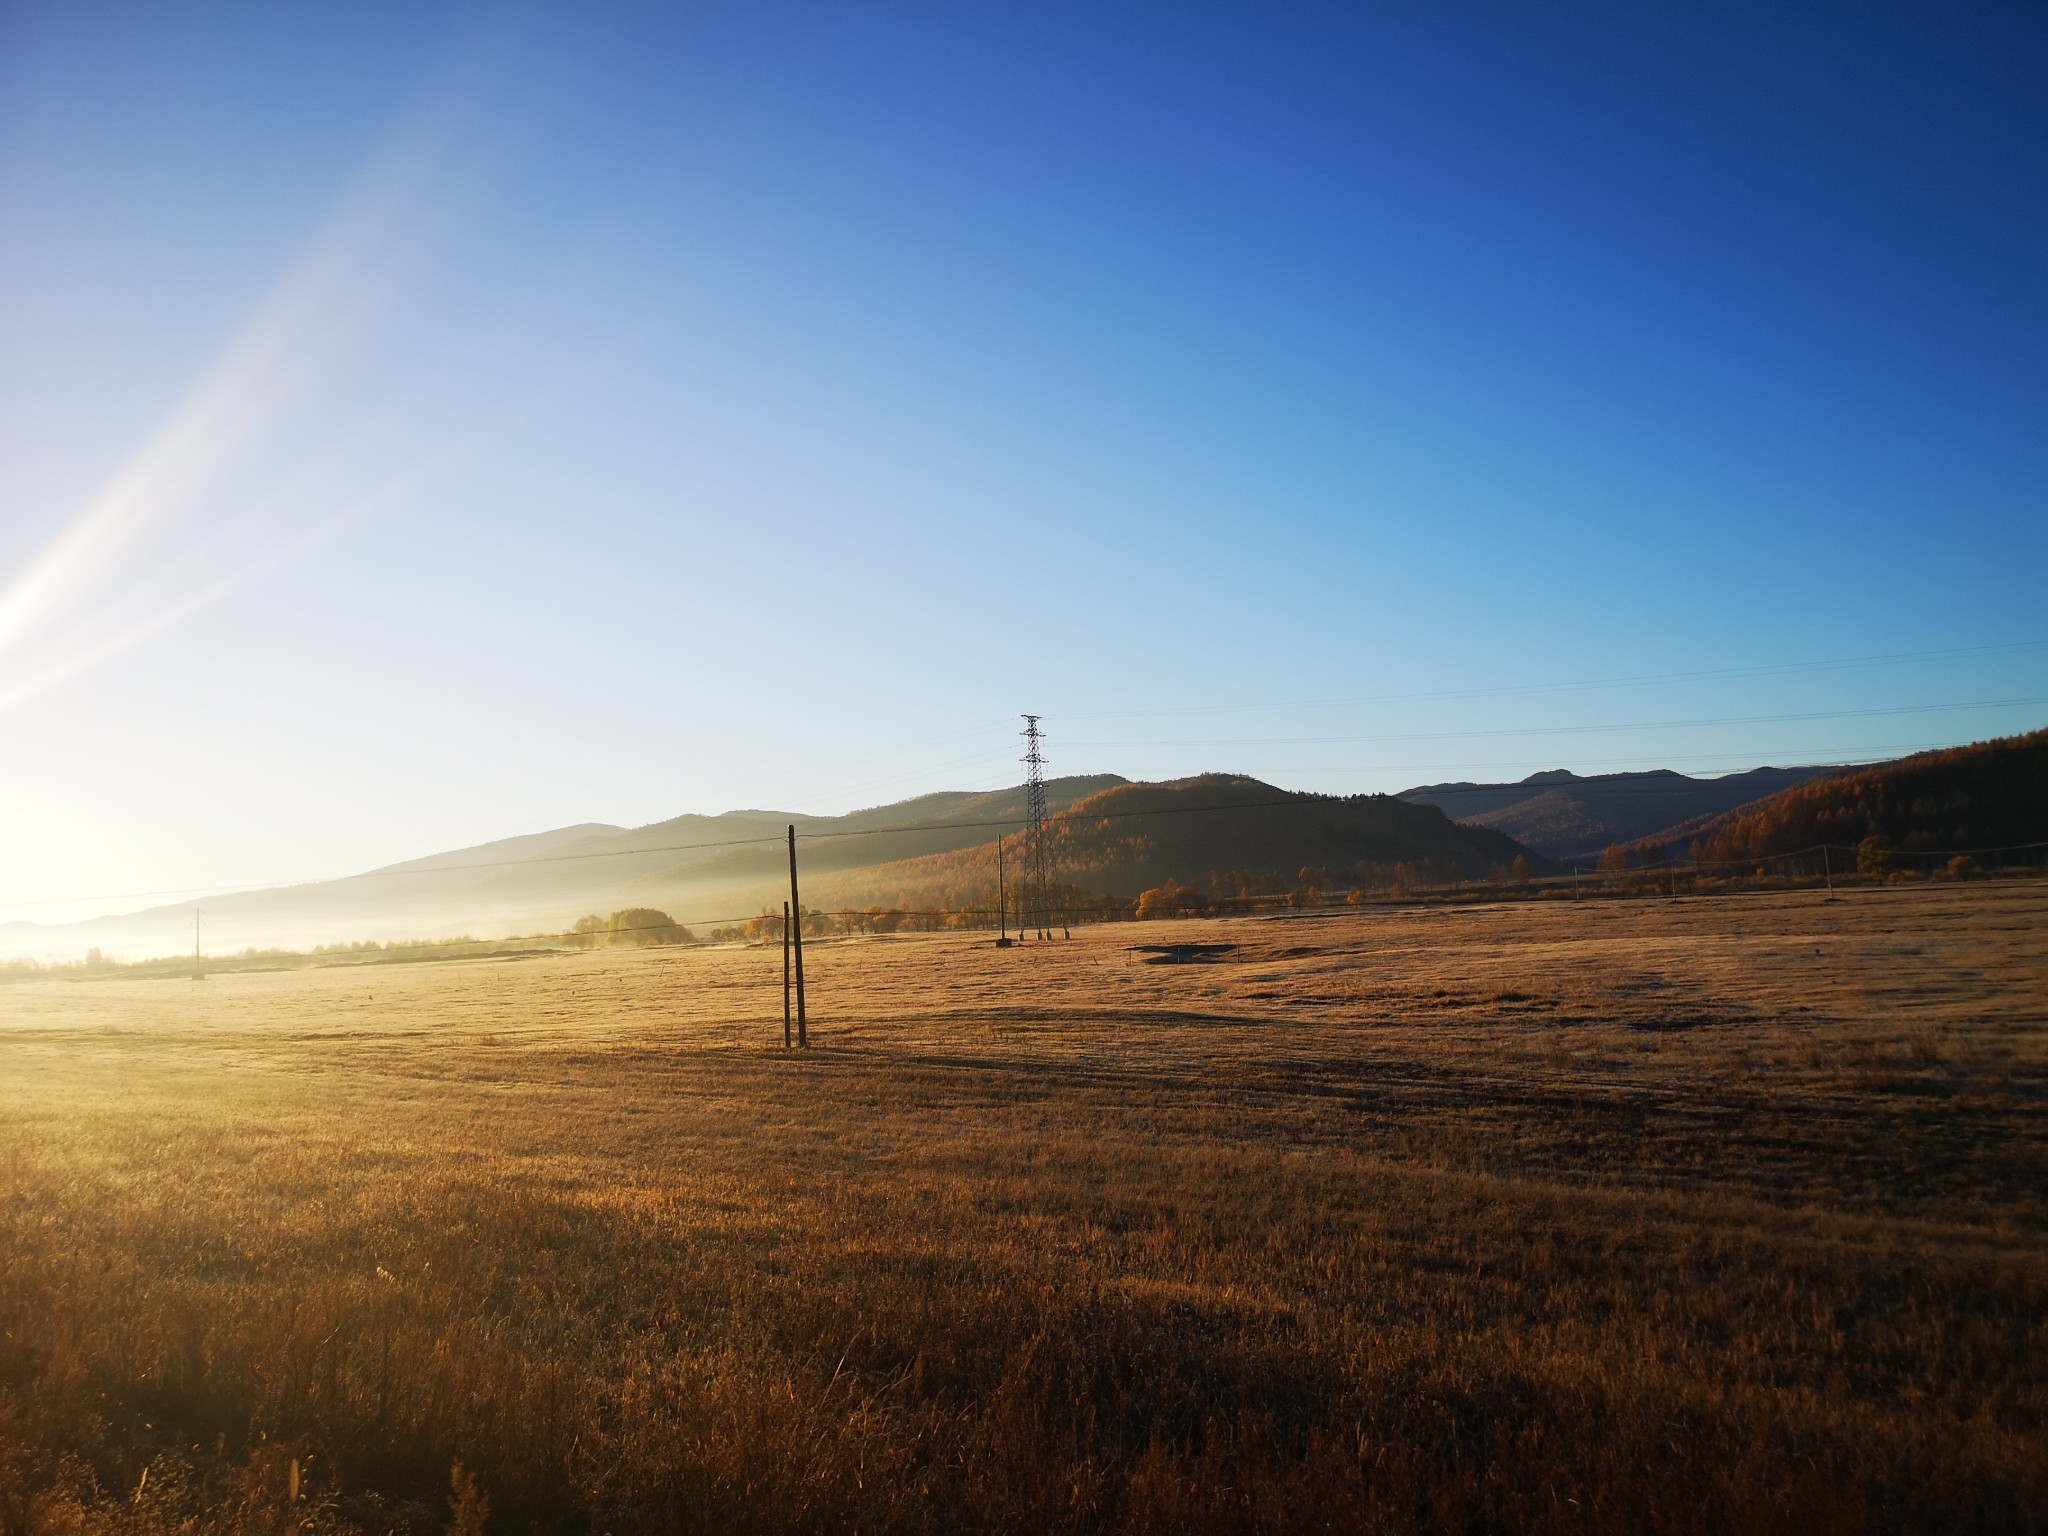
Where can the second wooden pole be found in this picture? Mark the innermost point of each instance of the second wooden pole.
(796, 931)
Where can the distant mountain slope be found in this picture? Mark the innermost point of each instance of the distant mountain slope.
(1563, 815)
(532, 845)
(1990, 795)
(1221, 832)
(696, 867)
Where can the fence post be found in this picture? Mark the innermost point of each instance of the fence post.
(796, 912)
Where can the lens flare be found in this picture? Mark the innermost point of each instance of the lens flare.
(130, 564)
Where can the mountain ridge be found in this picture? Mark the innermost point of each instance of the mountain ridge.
(1565, 815)
(717, 869)
(714, 865)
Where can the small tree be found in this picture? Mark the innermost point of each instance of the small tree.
(1171, 900)
(640, 927)
(1874, 855)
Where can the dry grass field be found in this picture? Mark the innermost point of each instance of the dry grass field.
(1709, 1215)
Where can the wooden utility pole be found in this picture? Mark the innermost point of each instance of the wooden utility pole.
(796, 933)
(785, 975)
(1827, 869)
(1002, 903)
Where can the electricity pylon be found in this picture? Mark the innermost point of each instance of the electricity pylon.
(1037, 856)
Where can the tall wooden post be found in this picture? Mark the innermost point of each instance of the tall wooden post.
(785, 975)
(796, 917)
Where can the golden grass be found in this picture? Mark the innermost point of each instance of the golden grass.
(1697, 1216)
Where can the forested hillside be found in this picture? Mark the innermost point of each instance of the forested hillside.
(1564, 814)
(1221, 834)
(1990, 795)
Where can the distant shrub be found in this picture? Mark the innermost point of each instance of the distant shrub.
(632, 928)
(1171, 900)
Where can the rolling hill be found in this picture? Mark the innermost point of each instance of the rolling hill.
(1563, 815)
(1993, 794)
(1221, 833)
(697, 867)
(1111, 836)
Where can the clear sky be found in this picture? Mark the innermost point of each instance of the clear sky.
(421, 426)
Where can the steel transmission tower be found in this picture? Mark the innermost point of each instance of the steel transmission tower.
(1037, 858)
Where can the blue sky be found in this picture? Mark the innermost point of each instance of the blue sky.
(420, 426)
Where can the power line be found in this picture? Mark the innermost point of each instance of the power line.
(1299, 799)
(1583, 730)
(1304, 799)
(1813, 758)
(1010, 823)
(1651, 775)
(1769, 669)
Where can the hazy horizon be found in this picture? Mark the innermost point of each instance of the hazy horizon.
(67, 912)
(147, 925)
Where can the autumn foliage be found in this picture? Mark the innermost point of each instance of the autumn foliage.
(1990, 795)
